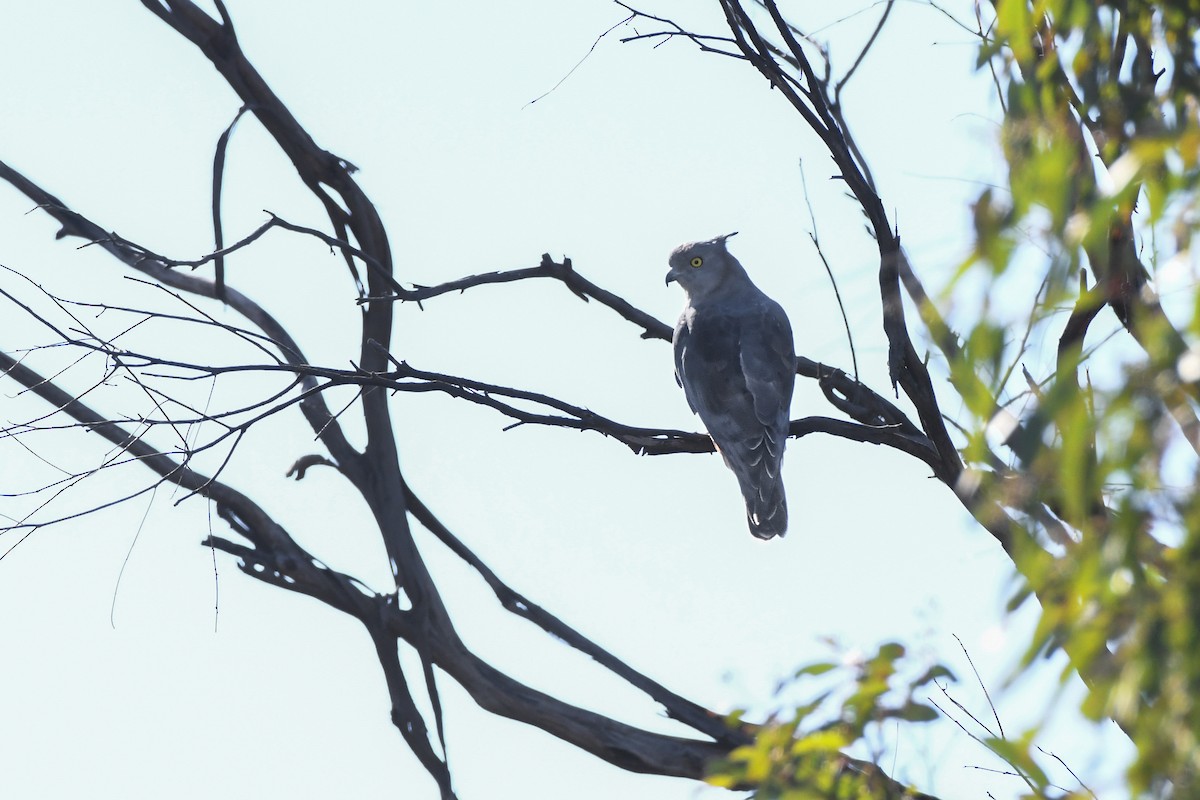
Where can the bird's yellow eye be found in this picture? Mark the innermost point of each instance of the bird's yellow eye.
(697, 261)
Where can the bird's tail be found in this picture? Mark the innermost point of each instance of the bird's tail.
(759, 476)
(766, 506)
(757, 463)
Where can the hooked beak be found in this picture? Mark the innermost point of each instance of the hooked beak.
(670, 277)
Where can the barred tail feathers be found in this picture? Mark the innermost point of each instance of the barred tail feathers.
(757, 465)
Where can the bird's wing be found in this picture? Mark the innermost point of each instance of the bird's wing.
(730, 363)
(707, 365)
(768, 363)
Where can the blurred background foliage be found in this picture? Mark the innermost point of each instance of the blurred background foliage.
(798, 755)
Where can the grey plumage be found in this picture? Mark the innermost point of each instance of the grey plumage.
(735, 360)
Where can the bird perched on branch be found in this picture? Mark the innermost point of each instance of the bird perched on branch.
(735, 360)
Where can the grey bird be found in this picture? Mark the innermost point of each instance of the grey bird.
(735, 360)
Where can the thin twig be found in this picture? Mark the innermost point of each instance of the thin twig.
(813, 234)
(862, 54)
(579, 63)
(982, 685)
(1082, 785)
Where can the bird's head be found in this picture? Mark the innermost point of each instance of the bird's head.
(700, 267)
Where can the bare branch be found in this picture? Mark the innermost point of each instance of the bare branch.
(217, 181)
(562, 271)
(579, 63)
(677, 707)
(812, 217)
(276, 559)
(405, 714)
(357, 234)
(75, 224)
(700, 40)
(862, 54)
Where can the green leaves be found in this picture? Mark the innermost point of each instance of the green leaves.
(1101, 139)
(800, 755)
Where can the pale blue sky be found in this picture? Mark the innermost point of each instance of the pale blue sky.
(639, 150)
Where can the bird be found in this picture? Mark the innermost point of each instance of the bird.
(736, 362)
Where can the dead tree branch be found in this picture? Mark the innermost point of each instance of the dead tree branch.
(268, 552)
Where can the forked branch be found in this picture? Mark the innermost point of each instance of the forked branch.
(269, 553)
